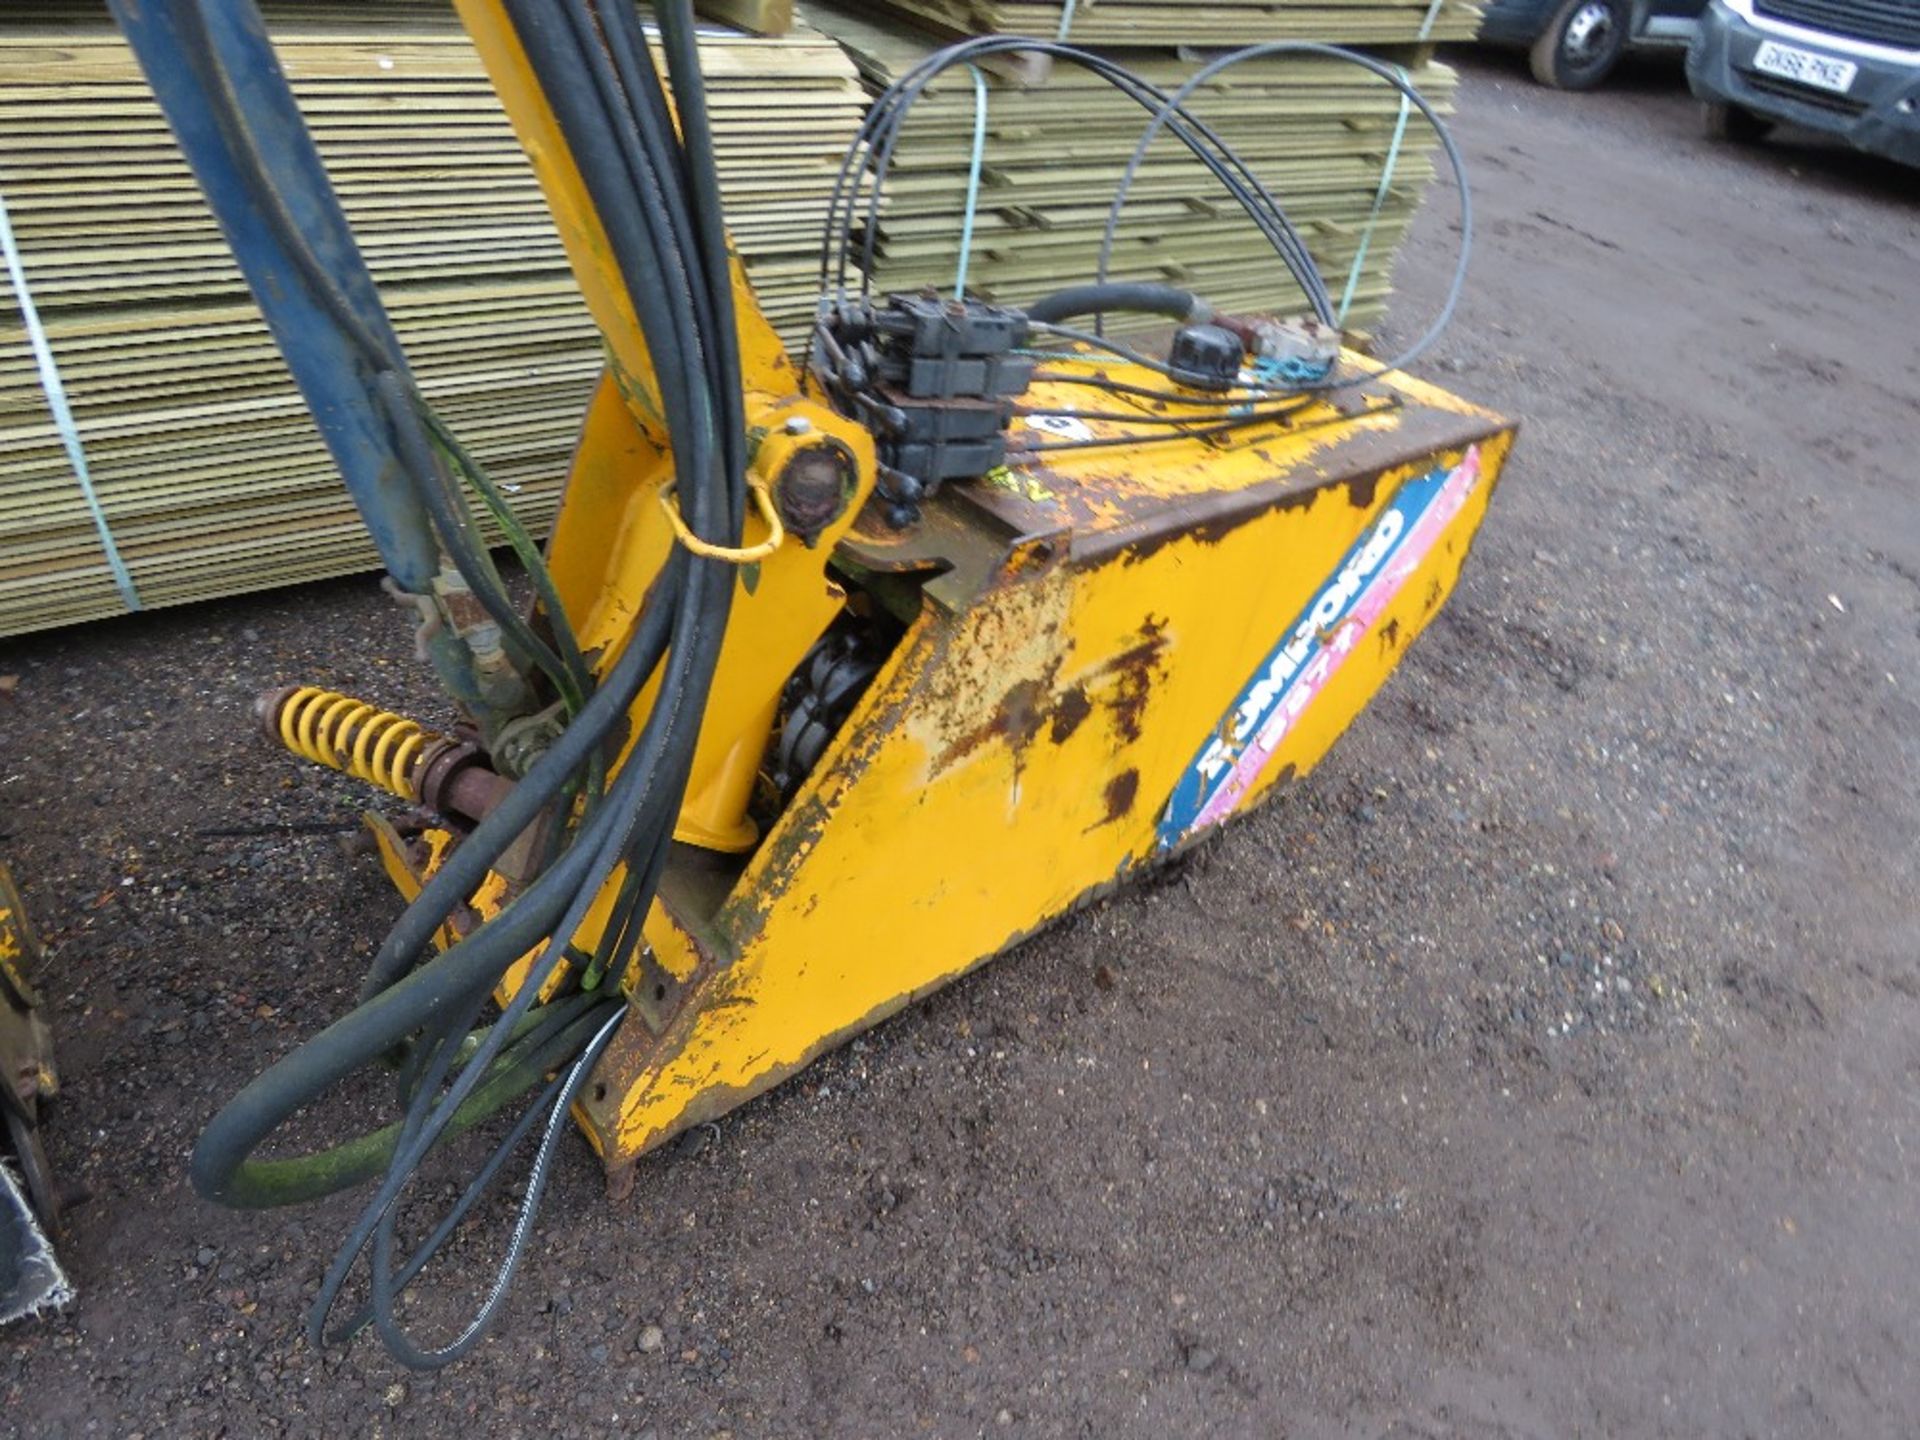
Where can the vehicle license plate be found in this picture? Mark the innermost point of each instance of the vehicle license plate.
(1806, 67)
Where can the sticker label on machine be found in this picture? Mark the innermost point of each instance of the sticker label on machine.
(1314, 647)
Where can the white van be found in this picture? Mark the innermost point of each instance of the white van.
(1848, 67)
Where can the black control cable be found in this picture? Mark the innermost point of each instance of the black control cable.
(870, 155)
(1172, 113)
(656, 195)
(871, 152)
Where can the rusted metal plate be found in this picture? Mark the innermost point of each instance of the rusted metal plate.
(1021, 753)
(958, 540)
(1137, 498)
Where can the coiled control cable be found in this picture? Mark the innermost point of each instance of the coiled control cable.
(656, 193)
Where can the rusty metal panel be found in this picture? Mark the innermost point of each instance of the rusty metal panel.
(1083, 652)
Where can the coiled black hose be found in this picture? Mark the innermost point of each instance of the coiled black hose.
(1133, 296)
(871, 151)
(657, 197)
(1172, 112)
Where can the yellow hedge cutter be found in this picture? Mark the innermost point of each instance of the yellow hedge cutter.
(843, 671)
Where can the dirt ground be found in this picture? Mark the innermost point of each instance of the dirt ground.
(1547, 1064)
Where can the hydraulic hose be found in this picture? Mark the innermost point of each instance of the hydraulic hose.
(657, 196)
(1171, 114)
(871, 150)
(454, 525)
(622, 119)
(380, 354)
(1132, 296)
(873, 144)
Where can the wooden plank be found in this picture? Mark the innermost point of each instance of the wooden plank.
(1171, 23)
(210, 468)
(206, 461)
(1316, 131)
(757, 17)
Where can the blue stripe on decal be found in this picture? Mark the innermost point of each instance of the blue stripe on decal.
(1212, 766)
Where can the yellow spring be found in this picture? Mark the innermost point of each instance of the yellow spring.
(351, 735)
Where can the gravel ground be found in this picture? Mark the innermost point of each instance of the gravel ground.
(1548, 1063)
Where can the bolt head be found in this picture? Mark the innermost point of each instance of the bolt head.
(814, 488)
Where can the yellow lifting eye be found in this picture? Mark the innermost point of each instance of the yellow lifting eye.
(744, 555)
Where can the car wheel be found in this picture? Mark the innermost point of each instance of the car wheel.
(1581, 44)
(1732, 122)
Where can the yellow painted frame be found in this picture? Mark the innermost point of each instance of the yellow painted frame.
(1016, 754)
(1085, 624)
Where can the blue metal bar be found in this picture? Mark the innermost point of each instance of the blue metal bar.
(215, 74)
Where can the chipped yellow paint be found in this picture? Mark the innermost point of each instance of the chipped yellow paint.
(1130, 475)
(1087, 621)
(1016, 752)
(1022, 482)
(996, 673)
(1012, 759)
(12, 950)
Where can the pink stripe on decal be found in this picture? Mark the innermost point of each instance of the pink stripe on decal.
(1346, 634)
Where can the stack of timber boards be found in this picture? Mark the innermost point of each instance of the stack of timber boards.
(1319, 134)
(211, 473)
(1204, 23)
